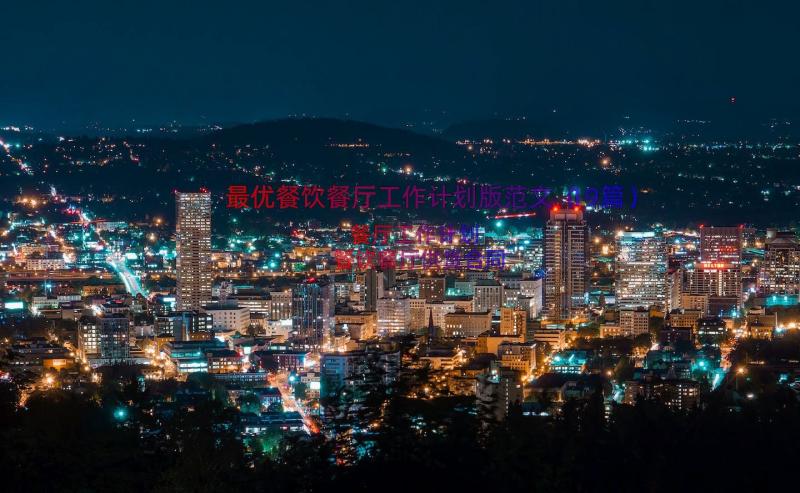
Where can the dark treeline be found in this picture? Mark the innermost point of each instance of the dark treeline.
(68, 442)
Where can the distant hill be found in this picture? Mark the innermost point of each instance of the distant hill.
(497, 128)
(138, 174)
(304, 133)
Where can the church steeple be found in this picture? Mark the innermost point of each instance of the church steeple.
(431, 328)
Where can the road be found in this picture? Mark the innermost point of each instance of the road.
(280, 380)
(131, 282)
(36, 276)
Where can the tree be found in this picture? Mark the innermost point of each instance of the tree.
(249, 403)
(642, 341)
(300, 390)
(589, 330)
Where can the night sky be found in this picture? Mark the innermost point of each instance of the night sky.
(223, 61)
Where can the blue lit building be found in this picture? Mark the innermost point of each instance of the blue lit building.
(571, 361)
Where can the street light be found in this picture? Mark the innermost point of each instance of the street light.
(739, 371)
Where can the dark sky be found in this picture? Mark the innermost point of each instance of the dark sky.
(76, 61)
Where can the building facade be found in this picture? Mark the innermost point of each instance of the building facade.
(566, 263)
(193, 247)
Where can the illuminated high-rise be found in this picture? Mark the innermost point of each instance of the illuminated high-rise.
(104, 338)
(780, 272)
(313, 305)
(566, 263)
(394, 314)
(193, 245)
(641, 269)
(719, 272)
(721, 244)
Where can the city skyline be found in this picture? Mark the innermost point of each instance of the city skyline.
(407, 246)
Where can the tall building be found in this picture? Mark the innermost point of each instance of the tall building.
(634, 321)
(720, 281)
(566, 262)
(432, 289)
(281, 306)
(372, 289)
(104, 338)
(394, 314)
(513, 321)
(721, 244)
(530, 291)
(193, 246)
(719, 272)
(780, 272)
(675, 289)
(185, 326)
(114, 338)
(88, 337)
(641, 269)
(312, 311)
(488, 296)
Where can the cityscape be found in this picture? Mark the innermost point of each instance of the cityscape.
(323, 298)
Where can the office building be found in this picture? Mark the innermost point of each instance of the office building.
(532, 290)
(394, 314)
(711, 331)
(512, 321)
(341, 370)
(719, 273)
(185, 326)
(517, 356)
(641, 269)
(104, 339)
(193, 247)
(467, 324)
(312, 311)
(373, 289)
(634, 321)
(566, 263)
(432, 289)
(228, 317)
(556, 338)
(780, 272)
(281, 305)
(721, 244)
(488, 296)
(437, 311)
(720, 281)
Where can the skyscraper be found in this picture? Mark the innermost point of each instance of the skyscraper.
(312, 311)
(566, 262)
(105, 338)
(114, 338)
(719, 272)
(372, 289)
(641, 269)
(721, 244)
(780, 272)
(394, 314)
(193, 245)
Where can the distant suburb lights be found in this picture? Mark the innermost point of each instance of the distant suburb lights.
(492, 197)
